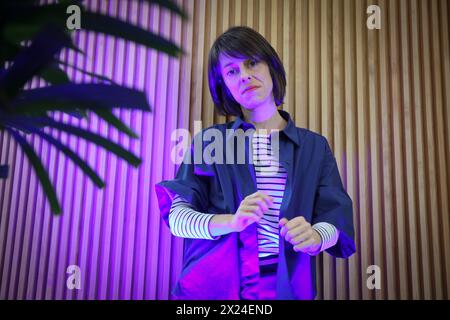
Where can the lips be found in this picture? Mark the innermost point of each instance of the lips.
(249, 89)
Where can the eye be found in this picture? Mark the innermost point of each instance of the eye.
(231, 72)
(252, 62)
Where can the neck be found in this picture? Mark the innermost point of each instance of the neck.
(267, 118)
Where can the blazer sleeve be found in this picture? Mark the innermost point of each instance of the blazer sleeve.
(191, 182)
(332, 204)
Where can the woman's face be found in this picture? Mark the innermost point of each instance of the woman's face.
(248, 80)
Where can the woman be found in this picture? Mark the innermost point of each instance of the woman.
(252, 230)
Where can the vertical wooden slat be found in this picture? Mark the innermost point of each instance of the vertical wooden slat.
(405, 96)
(287, 59)
(262, 19)
(328, 265)
(93, 289)
(83, 232)
(158, 125)
(442, 209)
(391, 81)
(430, 232)
(350, 119)
(365, 226)
(314, 65)
(175, 81)
(7, 283)
(30, 229)
(375, 172)
(445, 56)
(137, 266)
(337, 140)
(301, 62)
(160, 129)
(250, 13)
(424, 280)
(152, 234)
(197, 56)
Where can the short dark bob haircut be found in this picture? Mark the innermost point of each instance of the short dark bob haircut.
(242, 42)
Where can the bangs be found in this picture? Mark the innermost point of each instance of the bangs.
(240, 49)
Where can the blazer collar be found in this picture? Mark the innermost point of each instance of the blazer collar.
(290, 130)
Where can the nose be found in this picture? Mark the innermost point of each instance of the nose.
(245, 74)
(245, 77)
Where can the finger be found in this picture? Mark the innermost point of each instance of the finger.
(291, 225)
(265, 197)
(295, 222)
(250, 214)
(303, 236)
(260, 202)
(248, 218)
(283, 221)
(254, 194)
(253, 209)
(283, 229)
(268, 199)
(304, 231)
(304, 246)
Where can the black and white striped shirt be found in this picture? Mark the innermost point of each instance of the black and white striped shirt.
(271, 180)
(271, 177)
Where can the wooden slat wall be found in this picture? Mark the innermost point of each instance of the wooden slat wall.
(381, 97)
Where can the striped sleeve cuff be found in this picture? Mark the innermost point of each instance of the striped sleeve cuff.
(185, 222)
(328, 233)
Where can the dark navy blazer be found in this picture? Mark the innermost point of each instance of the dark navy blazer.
(228, 268)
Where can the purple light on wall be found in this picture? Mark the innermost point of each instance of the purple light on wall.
(113, 234)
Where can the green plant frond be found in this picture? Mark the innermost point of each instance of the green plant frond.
(54, 75)
(84, 96)
(4, 170)
(32, 60)
(91, 74)
(112, 26)
(23, 125)
(110, 118)
(26, 21)
(41, 173)
(92, 137)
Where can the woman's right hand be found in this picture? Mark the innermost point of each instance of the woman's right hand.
(251, 209)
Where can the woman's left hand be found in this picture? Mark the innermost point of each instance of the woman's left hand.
(301, 235)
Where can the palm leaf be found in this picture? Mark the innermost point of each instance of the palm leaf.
(91, 137)
(110, 118)
(8, 51)
(4, 168)
(81, 96)
(53, 74)
(33, 59)
(23, 124)
(25, 20)
(39, 169)
(28, 22)
(92, 74)
(112, 26)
